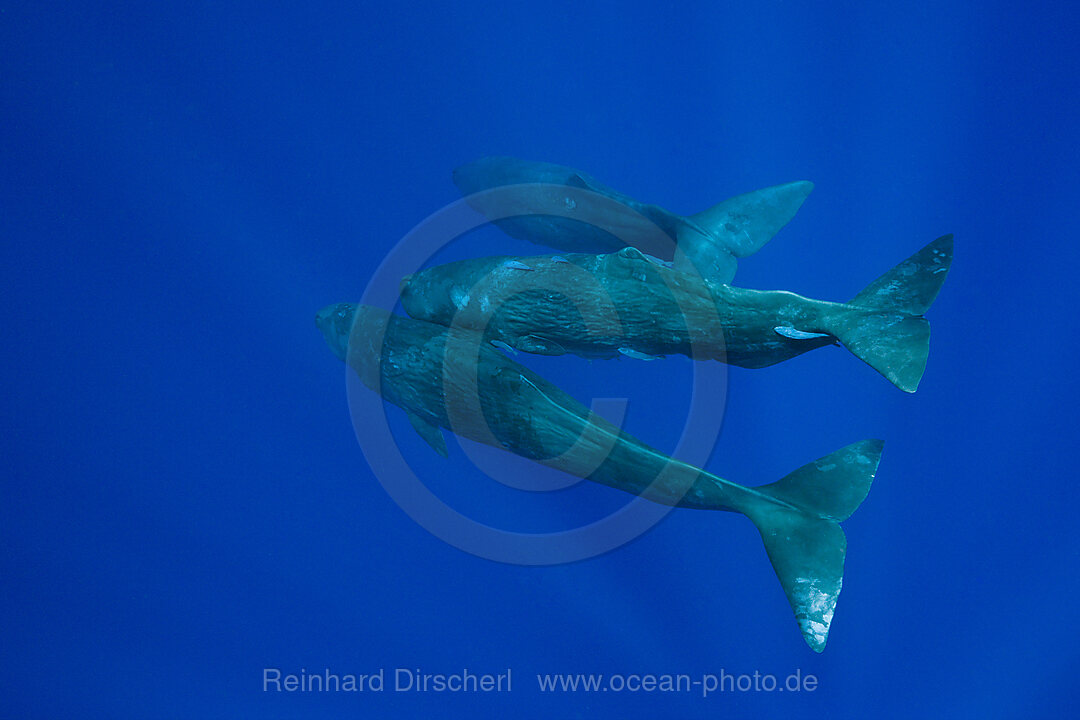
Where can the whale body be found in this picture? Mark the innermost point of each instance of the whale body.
(563, 208)
(630, 304)
(453, 380)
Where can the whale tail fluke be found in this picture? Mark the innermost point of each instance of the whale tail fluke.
(738, 227)
(802, 534)
(746, 222)
(888, 332)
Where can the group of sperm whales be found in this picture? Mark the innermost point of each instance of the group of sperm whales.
(634, 280)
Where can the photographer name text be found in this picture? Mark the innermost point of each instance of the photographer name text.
(383, 679)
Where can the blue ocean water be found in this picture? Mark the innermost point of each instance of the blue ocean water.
(185, 504)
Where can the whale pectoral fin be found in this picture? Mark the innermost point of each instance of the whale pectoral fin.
(581, 180)
(539, 346)
(431, 434)
(790, 332)
(637, 354)
(503, 346)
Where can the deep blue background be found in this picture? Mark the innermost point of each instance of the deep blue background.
(183, 503)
